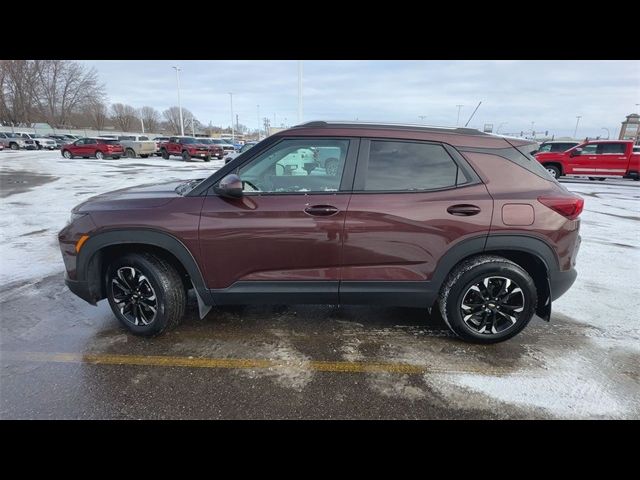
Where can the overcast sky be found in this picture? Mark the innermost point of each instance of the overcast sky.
(549, 93)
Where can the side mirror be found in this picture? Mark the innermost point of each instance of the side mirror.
(575, 152)
(230, 186)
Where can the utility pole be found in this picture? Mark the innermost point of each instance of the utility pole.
(299, 91)
(237, 123)
(193, 131)
(177, 69)
(233, 133)
(142, 124)
(258, 122)
(575, 132)
(458, 119)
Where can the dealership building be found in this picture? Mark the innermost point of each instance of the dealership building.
(630, 129)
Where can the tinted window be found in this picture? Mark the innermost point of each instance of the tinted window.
(143, 139)
(612, 148)
(291, 167)
(589, 149)
(402, 166)
(187, 141)
(89, 141)
(109, 142)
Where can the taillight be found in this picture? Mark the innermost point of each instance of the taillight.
(569, 207)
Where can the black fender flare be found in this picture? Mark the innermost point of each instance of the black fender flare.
(89, 253)
(502, 242)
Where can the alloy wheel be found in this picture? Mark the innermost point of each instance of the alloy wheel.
(134, 296)
(492, 305)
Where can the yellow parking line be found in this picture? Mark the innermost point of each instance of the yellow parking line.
(229, 363)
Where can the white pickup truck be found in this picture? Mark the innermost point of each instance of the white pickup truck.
(135, 145)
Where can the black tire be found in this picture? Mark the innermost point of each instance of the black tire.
(115, 157)
(601, 179)
(14, 146)
(67, 154)
(592, 178)
(164, 154)
(207, 158)
(130, 153)
(331, 167)
(167, 288)
(144, 156)
(468, 275)
(99, 155)
(636, 179)
(185, 156)
(553, 170)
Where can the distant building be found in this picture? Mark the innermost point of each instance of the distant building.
(630, 129)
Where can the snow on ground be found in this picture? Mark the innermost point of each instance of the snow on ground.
(30, 221)
(583, 364)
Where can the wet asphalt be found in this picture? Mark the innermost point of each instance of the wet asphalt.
(57, 355)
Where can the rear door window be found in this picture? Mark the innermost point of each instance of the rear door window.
(612, 149)
(396, 166)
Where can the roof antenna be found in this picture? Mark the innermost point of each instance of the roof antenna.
(474, 112)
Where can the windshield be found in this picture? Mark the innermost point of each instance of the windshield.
(188, 140)
(206, 141)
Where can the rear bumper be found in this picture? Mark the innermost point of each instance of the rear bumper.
(560, 282)
(80, 288)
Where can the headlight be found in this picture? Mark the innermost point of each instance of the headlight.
(76, 216)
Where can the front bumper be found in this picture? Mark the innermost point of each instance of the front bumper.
(80, 288)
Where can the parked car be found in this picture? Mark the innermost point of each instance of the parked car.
(595, 159)
(445, 219)
(244, 148)
(226, 146)
(1, 147)
(636, 149)
(135, 145)
(60, 140)
(41, 141)
(93, 147)
(185, 147)
(159, 141)
(215, 150)
(556, 146)
(15, 141)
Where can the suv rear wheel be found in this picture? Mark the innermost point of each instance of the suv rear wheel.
(145, 293)
(164, 154)
(130, 153)
(488, 299)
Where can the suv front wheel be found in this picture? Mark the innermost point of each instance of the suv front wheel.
(488, 299)
(145, 293)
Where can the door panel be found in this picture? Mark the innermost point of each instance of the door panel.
(401, 236)
(585, 163)
(271, 238)
(612, 159)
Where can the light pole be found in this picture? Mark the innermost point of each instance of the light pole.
(299, 91)
(258, 122)
(608, 135)
(458, 119)
(500, 126)
(177, 69)
(575, 132)
(233, 132)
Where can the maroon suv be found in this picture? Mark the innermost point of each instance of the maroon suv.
(451, 219)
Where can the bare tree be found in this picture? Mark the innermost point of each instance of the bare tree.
(65, 87)
(123, 116)
(18, 80)
(172, 116)
(151, 118)
(97, 113)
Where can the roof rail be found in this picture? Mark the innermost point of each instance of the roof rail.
(388, 125)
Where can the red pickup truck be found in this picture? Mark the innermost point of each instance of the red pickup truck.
(185, 147)
(595, 159)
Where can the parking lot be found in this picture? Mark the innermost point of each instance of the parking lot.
(63, 358)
